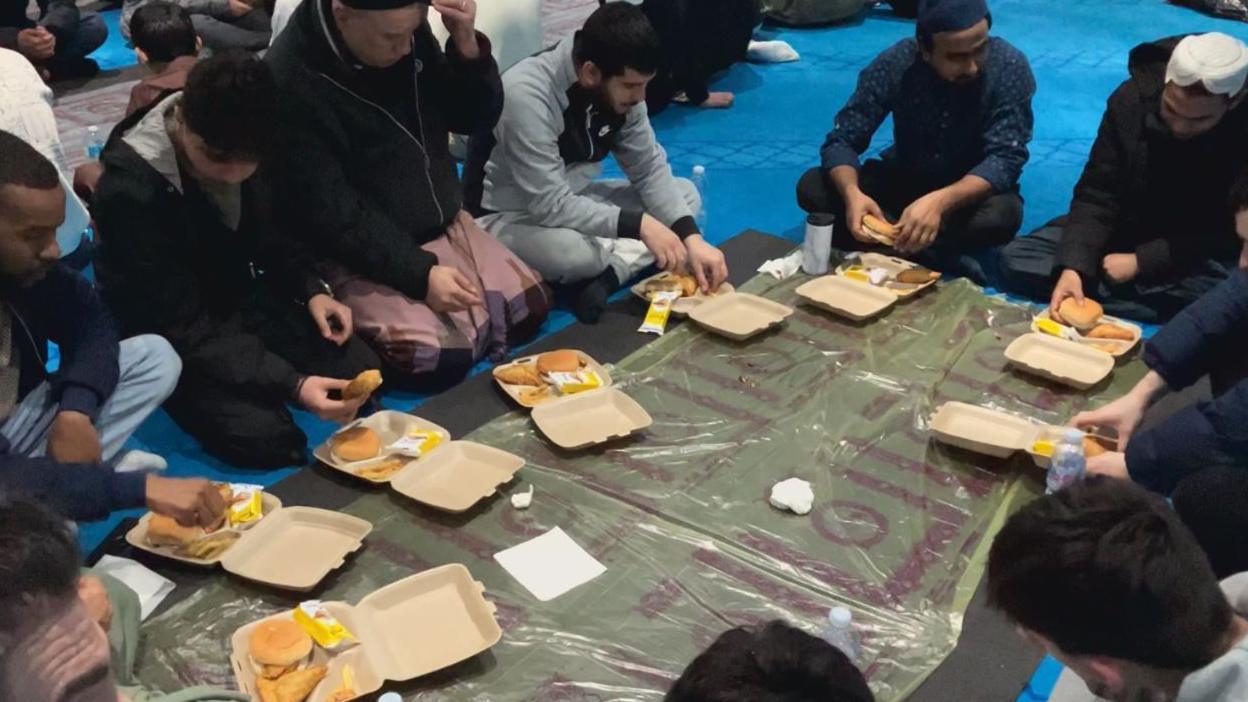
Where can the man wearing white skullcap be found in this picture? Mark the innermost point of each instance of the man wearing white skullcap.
(1149, 229)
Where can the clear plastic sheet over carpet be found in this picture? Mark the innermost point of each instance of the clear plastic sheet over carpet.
(679, 514)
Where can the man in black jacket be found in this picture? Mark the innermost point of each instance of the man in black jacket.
(369, 99)
(1148, 230)
(58, 42)
(191, 251)
(61, 435)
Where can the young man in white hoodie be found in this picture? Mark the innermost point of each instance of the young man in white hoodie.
(1107, 579)
(531, 180)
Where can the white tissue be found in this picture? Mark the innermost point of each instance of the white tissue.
(878, 276)
(522, 500)
(772, 52)
(151, 588)
(781, 268)
(794, 494)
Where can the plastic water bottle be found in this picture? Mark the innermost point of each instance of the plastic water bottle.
(699, 182)
(1069, 463)
(390, 697)
(95, 143)
(839, 632)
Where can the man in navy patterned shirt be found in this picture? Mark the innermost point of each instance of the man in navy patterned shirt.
(961, 106)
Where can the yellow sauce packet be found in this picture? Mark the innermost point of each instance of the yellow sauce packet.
(1043, 447)
(658, 314)
(857, 273)
(572, 383)
(324, 629)
(417, 443)
(246, 503)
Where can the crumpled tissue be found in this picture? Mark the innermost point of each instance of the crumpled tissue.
(794, 494)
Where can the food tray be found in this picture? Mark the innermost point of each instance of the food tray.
(1060, 360)
(739, 316)
(847, 298)
(590, 418)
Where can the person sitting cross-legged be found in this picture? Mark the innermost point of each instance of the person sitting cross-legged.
(58, 41)
(193, 248)
(961, 106)
(62, 435)
(533, 177)
(1105, 577)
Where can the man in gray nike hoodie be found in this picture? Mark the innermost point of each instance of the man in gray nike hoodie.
(531, 179)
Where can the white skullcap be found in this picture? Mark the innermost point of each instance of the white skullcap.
(1215, 60)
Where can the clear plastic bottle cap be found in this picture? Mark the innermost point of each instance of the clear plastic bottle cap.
(93, 129)
(699, 170)
(840, 617)
(1073, 436)
(390, 697)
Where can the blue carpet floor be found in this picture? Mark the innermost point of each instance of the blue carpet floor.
(755, 151)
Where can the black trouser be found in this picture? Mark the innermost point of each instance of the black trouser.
(965, 231)
(245, 426)
(1214, 505)
(1028, 268)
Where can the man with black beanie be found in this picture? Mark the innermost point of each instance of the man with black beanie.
(368, 102)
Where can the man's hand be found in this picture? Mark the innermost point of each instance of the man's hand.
(1112, 464)
(1122, 415)
(238, 8)
(451, 291)
(314, 397)
(460, 18)
(1121, 268)
(73, 439)
(719, 100)
(36, 44)
(332, 317)
(190, 501)
(669, 251)
(857, 205)
(93, 595)
(920, 223)
(1069, 284)
(707, 263)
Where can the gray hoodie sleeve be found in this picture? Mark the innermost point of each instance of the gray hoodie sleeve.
(645, 163)
(528, 143)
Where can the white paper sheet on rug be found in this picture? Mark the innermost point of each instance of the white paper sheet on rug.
(150, 587)
(550, 565)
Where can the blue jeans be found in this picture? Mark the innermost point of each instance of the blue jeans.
(149, 372)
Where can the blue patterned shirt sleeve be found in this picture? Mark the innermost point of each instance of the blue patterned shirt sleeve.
(871, 102)
(1009, 121)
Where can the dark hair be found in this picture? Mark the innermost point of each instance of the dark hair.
(230, 101)
(1239, 194)
(926, 38)
(21, 164)
(1105, 568)
(617, 37)
(38, 556)
(163, 31)
(771, 663)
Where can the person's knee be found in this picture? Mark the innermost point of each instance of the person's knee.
(997, 221)
(689, 192)
(92, 32)
(151, 360)
(812, 192)
(573, 257)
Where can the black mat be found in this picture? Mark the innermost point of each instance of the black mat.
(991, 663)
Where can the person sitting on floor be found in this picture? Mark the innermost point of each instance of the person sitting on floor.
(165, 42)
(61, 436)
(369, 99)
(220, 24)
(57, 626)
(961, 106)
(58, 42)
(698, 38)
(1106, 578)
(567, 109)
(1198, 456)
(1147, 231)
(192, 249)
(773, 662)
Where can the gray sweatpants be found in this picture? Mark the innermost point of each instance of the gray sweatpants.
(568, 256)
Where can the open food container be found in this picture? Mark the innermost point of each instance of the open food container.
(392, 428)
(1045, 324)
(410, 628)
(669, 281)
(740, 315)
(292, 548)
(859, 267)
(846, 297)
(1000, 434)
(589, 418)
(533, 395)
(1060, 360)
(457, 475)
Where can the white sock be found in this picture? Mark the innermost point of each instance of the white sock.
(772, 52)
(132, 461)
